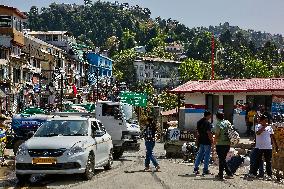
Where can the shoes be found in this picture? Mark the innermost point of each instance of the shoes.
(206, 173)
(147, 169)
(229, 177)
(217, 177)
(157, 168)
(268, 178)
(251, 176)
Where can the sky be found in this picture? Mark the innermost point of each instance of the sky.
(260, 15)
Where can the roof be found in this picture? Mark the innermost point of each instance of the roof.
(47, 32)
(15, 10)
(151, 59)
(232, 85)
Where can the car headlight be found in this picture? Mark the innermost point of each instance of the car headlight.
(76, 148)
(22, 151)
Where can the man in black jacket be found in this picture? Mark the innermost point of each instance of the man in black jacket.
(204, 140)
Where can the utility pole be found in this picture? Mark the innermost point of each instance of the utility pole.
(61, 93)
(97, 78)
(212, 63)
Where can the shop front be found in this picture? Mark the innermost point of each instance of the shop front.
(232, 97)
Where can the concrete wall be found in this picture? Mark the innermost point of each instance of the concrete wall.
(5, 41)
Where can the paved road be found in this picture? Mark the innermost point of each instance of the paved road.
(128, 173)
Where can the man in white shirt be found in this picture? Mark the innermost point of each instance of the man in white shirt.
(264, 140)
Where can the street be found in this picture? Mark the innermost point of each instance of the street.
(128, 173)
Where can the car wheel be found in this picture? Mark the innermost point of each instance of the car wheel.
(110, 162)
(90, 168)
(118, 153)
(23, 178)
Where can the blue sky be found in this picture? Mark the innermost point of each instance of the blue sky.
(260, 15)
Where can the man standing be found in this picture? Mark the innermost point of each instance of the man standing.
(263, 143)
(204, 140)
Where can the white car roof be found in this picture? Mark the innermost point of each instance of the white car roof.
(73, 118)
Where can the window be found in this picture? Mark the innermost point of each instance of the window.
(55, 37)
(110, 110)
(102, 128)
(48, 37)
(5, 21)
(3, 54)
(141, 67)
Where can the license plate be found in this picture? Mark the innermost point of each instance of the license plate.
(44, 160)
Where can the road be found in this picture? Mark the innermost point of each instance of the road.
(128, 173)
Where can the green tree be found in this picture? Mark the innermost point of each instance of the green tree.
(128, 40)
(279, 70)
(256, 69)
(168, 100)
(191, 69)
(123, 66)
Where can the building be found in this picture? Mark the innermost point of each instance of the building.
(11, 42)
(174, 48)
(76, 66)
(140, 49)
(99, 65)
(229, 96)
(162, 72)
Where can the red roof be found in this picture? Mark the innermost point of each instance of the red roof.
(232, 85)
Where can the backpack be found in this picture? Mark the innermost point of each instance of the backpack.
(232, 134)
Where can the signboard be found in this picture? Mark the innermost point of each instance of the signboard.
(174, 134)
(135, 99)
(277, 104)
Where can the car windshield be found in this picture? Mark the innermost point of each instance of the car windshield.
(63, 128)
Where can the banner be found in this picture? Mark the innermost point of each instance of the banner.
(277, 104)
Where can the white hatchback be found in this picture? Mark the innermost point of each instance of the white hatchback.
(65, 145)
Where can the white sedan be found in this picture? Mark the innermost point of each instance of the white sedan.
(65, 145)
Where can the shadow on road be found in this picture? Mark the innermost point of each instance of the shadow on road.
(137, 171)
(187, 175)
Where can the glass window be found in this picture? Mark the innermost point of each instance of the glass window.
(48, 37)
(63, 128)
(6, 21)
(55, 37)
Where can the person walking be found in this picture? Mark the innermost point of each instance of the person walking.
(264, 139)
(222, 146)
(149, 137)
(204, 140)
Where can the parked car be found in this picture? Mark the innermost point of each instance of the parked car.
(65, 145)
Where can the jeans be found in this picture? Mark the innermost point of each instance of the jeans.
(253, 157)
(149, 154)
(203, 152)
(267, 153)
(222, 151)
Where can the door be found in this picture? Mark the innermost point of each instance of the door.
(228, 102)
(105, 142)
(212, 104)
(99, 143)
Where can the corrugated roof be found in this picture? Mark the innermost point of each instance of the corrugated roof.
(232, 85)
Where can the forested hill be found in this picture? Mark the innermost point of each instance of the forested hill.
(98, 21)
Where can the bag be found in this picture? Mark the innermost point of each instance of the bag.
(232, 133)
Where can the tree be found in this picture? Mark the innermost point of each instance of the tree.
(123, 66)
(256, 69)
(279, 70)
(128, 40)
(191, 69)
(168, 100)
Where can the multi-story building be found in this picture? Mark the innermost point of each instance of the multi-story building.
(11, 42)
(162, 72)
(75, 66)
(100, 66)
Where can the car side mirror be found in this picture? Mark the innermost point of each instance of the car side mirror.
(99, 133)
(30, 134)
